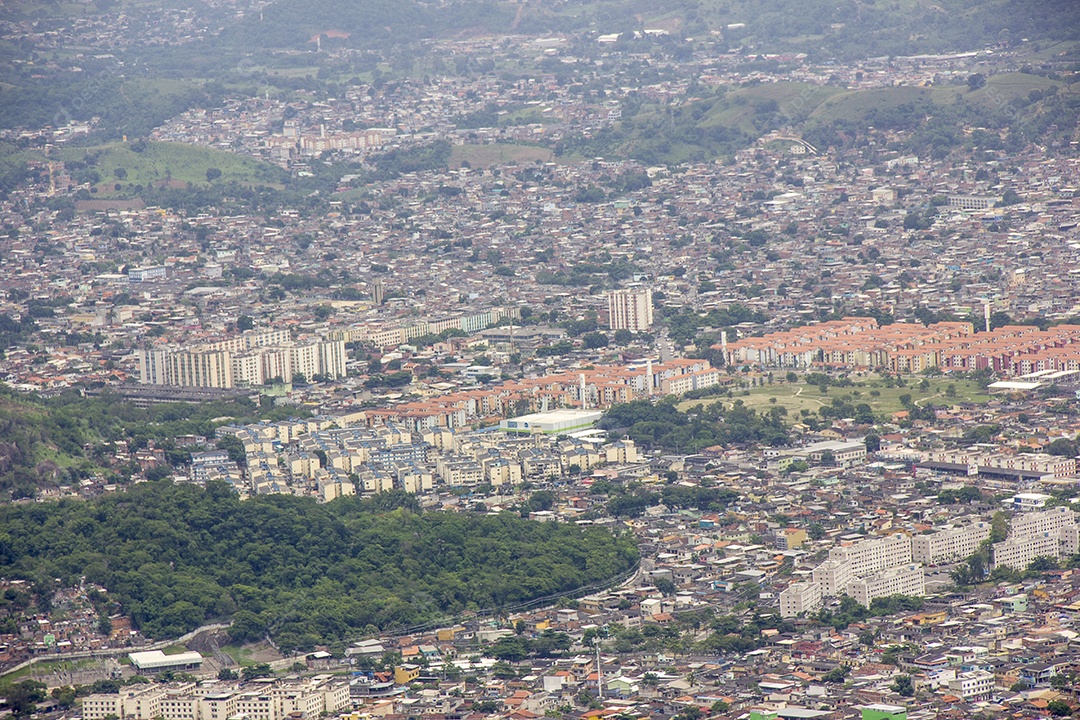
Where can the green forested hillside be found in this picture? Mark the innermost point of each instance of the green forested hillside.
(847, 29)
(1024, 107)
(176, 556)
(843, 29)
(366, 23)
(273, 51)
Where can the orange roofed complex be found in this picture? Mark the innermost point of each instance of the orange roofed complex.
(854, 343)
(603, 386)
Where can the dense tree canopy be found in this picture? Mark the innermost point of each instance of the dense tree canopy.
(634, 503)
(177, 556)
(664, 426)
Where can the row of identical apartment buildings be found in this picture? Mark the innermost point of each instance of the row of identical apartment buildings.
(251, 359)
(260, 356)
(261, 700)
(873, 568)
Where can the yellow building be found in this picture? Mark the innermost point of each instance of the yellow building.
(405, 674)
(793, 538)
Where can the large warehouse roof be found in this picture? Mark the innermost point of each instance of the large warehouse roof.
(157, 660)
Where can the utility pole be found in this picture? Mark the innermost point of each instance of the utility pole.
(599, 672)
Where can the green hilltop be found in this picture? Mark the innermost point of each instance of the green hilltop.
(819, 27)
(159, 163)
(1019, 105)
(177, 556)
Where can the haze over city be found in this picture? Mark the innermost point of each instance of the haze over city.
(486, 360)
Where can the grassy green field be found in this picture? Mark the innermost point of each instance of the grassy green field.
(497, 154)
(177, 162)
(794, 100)
(240, 654)
(855, 104)
(174, 650)
(999, 90)
(882, 400)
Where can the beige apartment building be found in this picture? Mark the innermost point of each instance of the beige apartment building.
(903, 580)
(949, 544)
(630, 309)
(263, 700)
(798, 598)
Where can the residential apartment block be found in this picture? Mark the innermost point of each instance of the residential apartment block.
(871, 568)
(269, 701)
(1027, 463)
(1053, 520)
(833, 576)
(972, 685)
(858, 342)
(385, 335)
(902, 580)
(332, 457)
(630, 309)
(949, 544)
(251, 359)
(1019, 552)
(1046, 533)
(871, 555)
(798, 598)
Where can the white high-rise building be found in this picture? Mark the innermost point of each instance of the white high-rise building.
(833, 576)
(1046, 533)
(630, 309)
(873, 554)
(309, 698)
(871, 568)
(242, 361)
(1018, 552)
(186, 368)
(949, 544)
(800, 597)
(1039, 522)
(902, 580)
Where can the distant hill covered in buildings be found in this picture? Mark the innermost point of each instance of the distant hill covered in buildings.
(847, 30)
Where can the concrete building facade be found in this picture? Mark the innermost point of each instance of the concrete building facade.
(798, 598)
(902, 580)
(630, 309)
(949, 544)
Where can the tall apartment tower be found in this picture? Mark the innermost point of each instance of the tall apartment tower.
(630, 309)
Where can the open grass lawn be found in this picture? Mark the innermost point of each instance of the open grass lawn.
(252, 653)
(180, 163)
(241, 654)
(792, 99)
(856, 104)
(174, 650)
(882, 400)
(999, 90)
(497, 154)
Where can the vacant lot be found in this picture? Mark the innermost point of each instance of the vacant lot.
(129, 165)
(497, 154)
